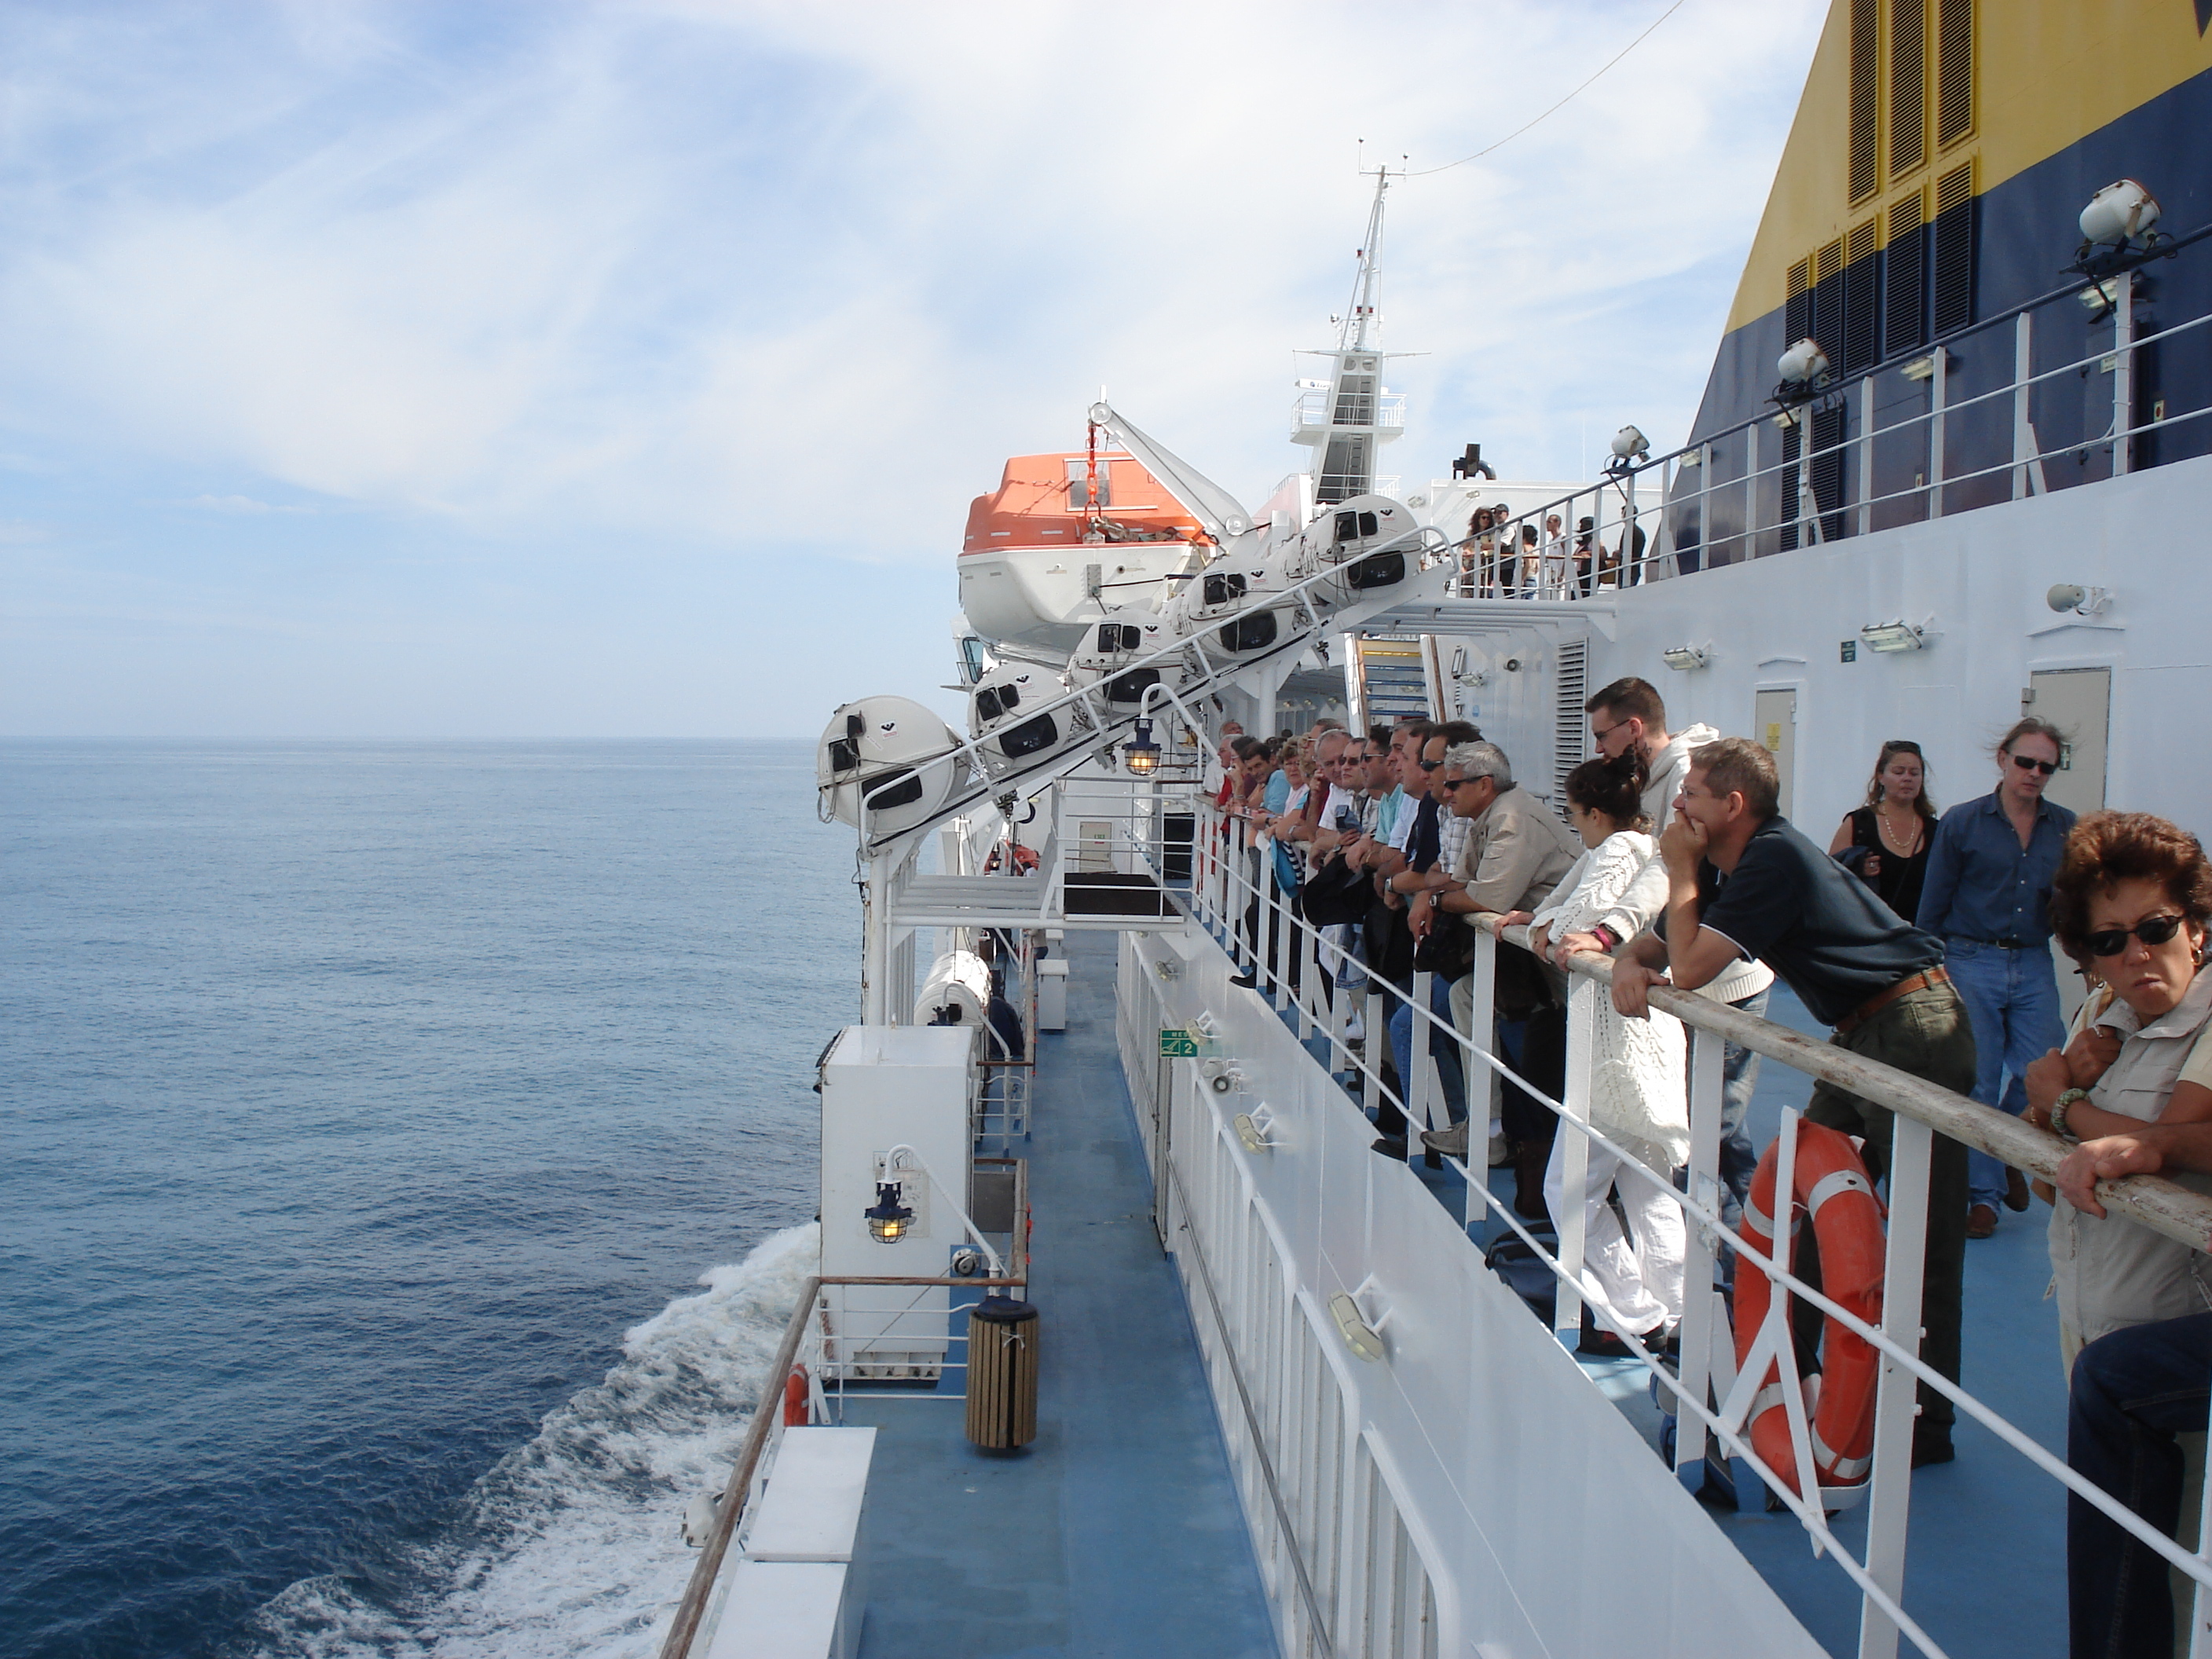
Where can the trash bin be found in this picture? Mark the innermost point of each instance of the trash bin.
(1002, 1373)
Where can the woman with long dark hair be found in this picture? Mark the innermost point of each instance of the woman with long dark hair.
(1894, 829)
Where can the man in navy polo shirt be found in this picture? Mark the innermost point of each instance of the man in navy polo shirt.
(1741, 881)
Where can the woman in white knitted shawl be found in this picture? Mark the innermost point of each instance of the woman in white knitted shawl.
(1637, 1067)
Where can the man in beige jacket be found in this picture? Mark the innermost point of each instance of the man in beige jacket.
(1517, 851)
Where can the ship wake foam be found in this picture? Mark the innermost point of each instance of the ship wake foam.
(570, 1544)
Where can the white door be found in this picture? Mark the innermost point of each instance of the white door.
(2078, 702)
(1774, 722)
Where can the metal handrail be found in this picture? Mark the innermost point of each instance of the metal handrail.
(1698, 450)
(2150, 1201)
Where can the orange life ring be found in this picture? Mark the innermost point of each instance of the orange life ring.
(1832, 1187)
(795, 1412)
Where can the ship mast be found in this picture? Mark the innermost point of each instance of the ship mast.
(1350, 415)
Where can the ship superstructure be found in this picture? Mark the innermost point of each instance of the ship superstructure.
(1949, 465)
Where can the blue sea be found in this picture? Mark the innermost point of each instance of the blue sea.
(409, 1155)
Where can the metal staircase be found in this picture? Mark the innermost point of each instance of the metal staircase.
(1393, 682)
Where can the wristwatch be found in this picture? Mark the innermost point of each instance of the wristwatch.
(2059, 1112)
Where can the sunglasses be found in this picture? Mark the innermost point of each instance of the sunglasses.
(1451, 783)
(2027, 765)
(2151, 930)
(1431, 766)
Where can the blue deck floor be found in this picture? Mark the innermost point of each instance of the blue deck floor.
(1118, 1531)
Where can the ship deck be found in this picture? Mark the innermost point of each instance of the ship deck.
(1119, 1530)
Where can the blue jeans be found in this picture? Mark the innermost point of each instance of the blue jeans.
(1450, 1075)
(2012, 998)
(2133, 1392)
(1739, 1081)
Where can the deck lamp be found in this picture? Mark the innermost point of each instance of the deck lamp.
(1142, 754)
(1684, 658)
(2120, 213)
(888, 1218)
(1630, 446)
(1362, 1336)
(1252, 1130)
(1899, 636)
(1803, 369)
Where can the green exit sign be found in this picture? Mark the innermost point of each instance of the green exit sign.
(1176, 1043)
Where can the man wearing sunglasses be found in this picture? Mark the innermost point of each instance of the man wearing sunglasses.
(1988, 896)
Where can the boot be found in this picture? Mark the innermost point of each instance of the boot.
(1528, 1163)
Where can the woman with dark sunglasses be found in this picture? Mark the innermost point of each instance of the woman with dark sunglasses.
(1987, 893)
(2132, 899)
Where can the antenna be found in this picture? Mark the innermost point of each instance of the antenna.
(1365, 315)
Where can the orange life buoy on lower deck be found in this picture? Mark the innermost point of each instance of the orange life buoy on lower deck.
(1832, 1185)
(794, 1399)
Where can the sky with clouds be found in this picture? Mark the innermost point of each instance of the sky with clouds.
(598, 370)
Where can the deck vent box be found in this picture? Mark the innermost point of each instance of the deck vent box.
(883, 1087)
(1051, 994)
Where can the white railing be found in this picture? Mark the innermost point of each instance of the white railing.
(1220, 894)
(1696, 521)
(1316, 409)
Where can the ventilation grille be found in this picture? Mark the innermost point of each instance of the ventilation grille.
(1571, 722)
(1797, 316)
(1865, 149)
(1955, 70)
(1905, 312)
(1908, 86)
(1954, 250)
(1862, 299)
(1827, 468)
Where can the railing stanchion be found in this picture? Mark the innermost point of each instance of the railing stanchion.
(1939, 396)
(2023, 379)
(1574, 1152)
(2123, 402)
(1866, 455)
(1707, 1054)
(1421, 1087)
(1376, 1045)
(1751, 489)
(1890, 1499)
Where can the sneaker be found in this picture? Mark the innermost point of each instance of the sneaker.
(1355, 1031)
(1501, 1152)
(1451, 1142)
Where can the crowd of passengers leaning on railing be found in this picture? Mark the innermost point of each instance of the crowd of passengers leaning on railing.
(1923, 941)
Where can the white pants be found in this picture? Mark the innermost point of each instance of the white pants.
(1641, 1287)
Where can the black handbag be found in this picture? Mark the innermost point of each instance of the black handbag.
(1448, 951)
(1338, 896)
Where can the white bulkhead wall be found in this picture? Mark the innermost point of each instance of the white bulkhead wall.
(1979, 581)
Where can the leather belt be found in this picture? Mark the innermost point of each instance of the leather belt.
(2002, 944)
(1881, 999)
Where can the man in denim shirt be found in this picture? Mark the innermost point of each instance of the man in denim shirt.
(1988, 896)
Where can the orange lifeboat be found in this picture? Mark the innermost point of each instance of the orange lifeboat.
(1066, 536)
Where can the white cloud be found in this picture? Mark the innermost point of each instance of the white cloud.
(767, 276)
